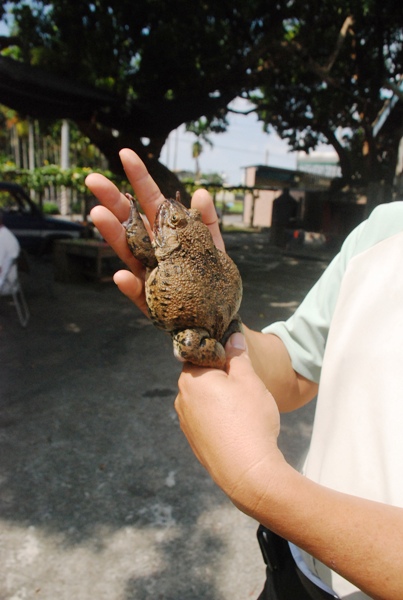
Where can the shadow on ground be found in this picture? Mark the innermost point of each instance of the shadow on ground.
(100, 496)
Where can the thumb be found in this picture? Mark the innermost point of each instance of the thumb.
(236, 345)
(236, 351)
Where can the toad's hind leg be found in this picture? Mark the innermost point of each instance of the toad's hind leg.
(196, 346)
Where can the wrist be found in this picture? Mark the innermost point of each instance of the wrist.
(264, 486)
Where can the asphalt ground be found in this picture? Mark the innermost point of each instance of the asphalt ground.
(100, 496)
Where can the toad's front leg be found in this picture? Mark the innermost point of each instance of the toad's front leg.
(234, 327)
(196, 346)
(137, 236)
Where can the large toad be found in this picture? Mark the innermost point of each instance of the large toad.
(193, 290)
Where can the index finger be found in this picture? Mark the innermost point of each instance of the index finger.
(147, 191)
(203, 201)
(108, 195)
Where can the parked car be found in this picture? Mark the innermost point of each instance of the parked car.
(34, 230)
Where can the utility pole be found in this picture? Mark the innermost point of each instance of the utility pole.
(64, 164)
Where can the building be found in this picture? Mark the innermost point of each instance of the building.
(320, 209)
(269, 182)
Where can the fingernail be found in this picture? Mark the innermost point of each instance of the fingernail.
(237, 340)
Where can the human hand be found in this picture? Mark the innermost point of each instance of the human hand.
(114, 210)
(232, 423)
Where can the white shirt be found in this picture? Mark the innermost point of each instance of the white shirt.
(9, 251)
(348, 335)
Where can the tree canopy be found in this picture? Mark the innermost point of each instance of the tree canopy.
(129, 74)
(342, 61)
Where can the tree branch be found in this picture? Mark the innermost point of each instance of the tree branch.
(346, 27)
(7, 41)
(395, 88)
(242, 112)
(299, 52)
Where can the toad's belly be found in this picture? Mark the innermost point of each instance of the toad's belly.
(183, 302)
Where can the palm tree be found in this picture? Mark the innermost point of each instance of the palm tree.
(197, 149)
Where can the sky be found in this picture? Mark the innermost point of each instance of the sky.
(244, 144)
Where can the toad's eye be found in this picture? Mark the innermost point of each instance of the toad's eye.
(176, 220)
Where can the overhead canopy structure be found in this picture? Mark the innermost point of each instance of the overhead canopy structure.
(267, 177)
(37, 93)
(34, 92)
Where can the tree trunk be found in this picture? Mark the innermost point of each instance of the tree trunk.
(344, 159)
(110, 146)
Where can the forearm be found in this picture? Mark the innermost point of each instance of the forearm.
(232, 423)
(360, 539)
(272, 364)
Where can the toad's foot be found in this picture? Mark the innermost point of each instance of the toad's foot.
(196, 346)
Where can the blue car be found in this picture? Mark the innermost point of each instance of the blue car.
(34, 230)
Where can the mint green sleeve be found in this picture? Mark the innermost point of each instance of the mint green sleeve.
(305, 333)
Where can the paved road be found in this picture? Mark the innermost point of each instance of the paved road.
(100, 497)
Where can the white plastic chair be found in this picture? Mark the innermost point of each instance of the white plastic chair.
(11, 286)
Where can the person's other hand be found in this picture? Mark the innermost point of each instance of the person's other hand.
(114, 210)
(232, 423)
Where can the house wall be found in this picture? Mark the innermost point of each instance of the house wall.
(319, 210)
(262, 210)
(263, 206)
